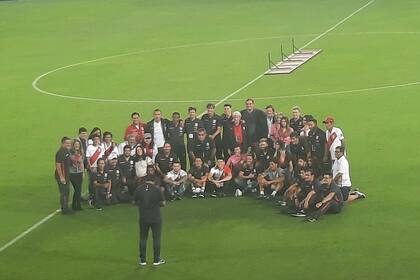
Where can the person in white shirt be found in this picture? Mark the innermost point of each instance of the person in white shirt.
(93, 153)
(109, 146)
(131, 141)
(158, 128)
(334, 135)
(270, 113)
(141, 161)
(175, 181)
(341, 175)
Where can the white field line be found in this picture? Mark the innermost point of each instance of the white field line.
(26, 232)
(34, 85)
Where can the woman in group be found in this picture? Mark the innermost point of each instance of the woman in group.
(148, 146)
(283, 132)
(235, 161)
(95, 131)
(141, 161)
(76, 173)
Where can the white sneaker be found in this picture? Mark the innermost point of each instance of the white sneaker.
(160, 262)
(142, 263)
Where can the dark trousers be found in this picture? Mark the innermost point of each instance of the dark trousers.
(100, 196)
(144, 234)
(332, 207)
(91, 188)
(64, 195)
(76, 180)
(181, 153)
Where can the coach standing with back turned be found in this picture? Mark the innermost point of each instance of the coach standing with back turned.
(149, 199)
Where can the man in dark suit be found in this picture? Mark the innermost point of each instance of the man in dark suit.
(256, 122)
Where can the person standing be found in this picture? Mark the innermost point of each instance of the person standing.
(318, 142)
(226, 124)
(94, 152)
(213, 125)
(191, 126)
(158, 128)
(296, 122)
(270, 118)
(149, 199)
(238, 134)
(256, 122)
(62, 166)
(176, 138)
(203, 147)
(335, 137)
(76, 173)
(136, 128)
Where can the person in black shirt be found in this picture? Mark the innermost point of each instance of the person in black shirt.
(213, 125)
(202, 147)
(299, 148)
(128, 173)
(62, 167)
(296, 122)
(164, 159)
(256, 121)
(247, 177)
(191, 126)
(197, 178)
(318, 141)
(149, 199)
(102, 185)
(327, 199)
(119, 193)
(305, 193)
(263, 155)
(176, 138)
(226, 123)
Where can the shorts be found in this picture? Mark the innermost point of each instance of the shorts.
(345, 191)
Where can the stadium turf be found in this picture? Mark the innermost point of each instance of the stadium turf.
(204, 50)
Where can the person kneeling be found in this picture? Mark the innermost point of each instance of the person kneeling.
(102, 185)
(218, 177)
(197, 178)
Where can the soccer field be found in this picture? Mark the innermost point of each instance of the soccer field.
(66, 64)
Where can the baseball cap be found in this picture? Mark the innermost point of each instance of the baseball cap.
(328, 119)
(308, 118)
(113, 156)
(147, 135)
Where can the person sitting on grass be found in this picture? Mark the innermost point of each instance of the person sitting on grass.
(271, 180)
(303, 197)
(292, 192)
(246, 181)
(327, 198)
(175, 181)
(341, 173)
(102, 185)
(218, 178)
(197, 178)
(263, 154)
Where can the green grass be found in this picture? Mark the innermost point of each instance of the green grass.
(224, 239)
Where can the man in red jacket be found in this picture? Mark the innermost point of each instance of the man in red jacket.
(136, 128)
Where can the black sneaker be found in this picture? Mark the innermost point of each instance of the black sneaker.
(178, 197)
(260, 196)
(201, 195)
(160, 262)
(213, 195)
(194, 196)
(300, 213)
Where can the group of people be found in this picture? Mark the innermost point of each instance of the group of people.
(294, 162)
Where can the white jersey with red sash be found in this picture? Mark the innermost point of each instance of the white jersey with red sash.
(334, 138)
(110, 150)
(218, 174)
(93, 153)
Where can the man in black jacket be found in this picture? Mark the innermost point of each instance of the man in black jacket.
(256, 122)
(158, 127)
(149, 199)
(238, 134)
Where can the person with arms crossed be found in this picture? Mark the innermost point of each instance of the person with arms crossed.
(176, 138)
(102, 185)
(191, 126)
(149, 199)
(256, 122)
(226, 123)
(296, 122)
(213, 125)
